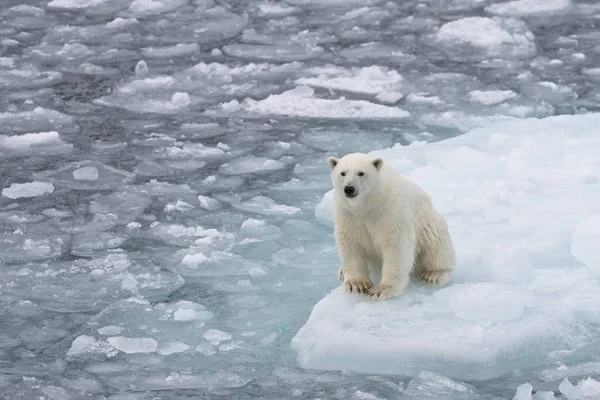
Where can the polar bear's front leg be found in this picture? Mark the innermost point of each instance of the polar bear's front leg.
(395, 272)
(353, 272)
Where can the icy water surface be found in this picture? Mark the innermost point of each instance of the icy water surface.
(163, 227)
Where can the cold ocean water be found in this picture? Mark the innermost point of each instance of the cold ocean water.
(166, 215)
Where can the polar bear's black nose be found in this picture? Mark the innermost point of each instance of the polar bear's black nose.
(349, 190)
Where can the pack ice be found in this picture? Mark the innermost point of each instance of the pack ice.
(521, 200)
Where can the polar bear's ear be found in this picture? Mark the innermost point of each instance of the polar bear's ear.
(378, 163)
(333, 162)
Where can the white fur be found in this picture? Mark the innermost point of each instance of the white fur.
(388, 228)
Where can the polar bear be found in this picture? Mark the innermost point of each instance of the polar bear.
(386, 224)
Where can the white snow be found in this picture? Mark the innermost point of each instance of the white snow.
(250, 165)
(184, 314)
(382, 82)
(85, 348)
(86, 174)
(301, 102)
(266, 206)
(29, 189)
(178, 50)
(490, 37)
(172, 348)
(110, 330)
(585, 243)
(523, 8)
(215, 336)
(586, 389)
(75, 4)
(208, 203)
(133, 345)
(491, 97)
(43, 142)
(205, 349)
(520, 198)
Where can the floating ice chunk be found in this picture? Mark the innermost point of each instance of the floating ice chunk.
(423, 98)
(184, 314)
(179, 50)
(276, 9)
(86, 175)
(377, 52)
(110, 330)
(431, 386)
(86, 348)
(152, 7)
(181, 235)
(208, 203)
(119, 23)
(585, 242)
(30, 247)
(85, 243)
(586, 389)
(160, 381)
(524, 8)
(535, 297)
(478, 38)
(28, 77)
(562, 371)
(251, 165)
(301, 102)
(42, 143)
(38, 120)
(172, 348)
(266, 206)
(282, 52)
(491, 97)
(374, 80)
(126, 205)
(75, 4)
(523, 392)
(259, 229)
(141, 68)
(26, 190)
(200, 262)
(206, 349)
(184, 311)
(179, 100)
(133, 345)
(346, 141)
(215, 336)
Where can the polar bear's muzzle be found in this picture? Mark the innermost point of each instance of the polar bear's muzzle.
(350, 191)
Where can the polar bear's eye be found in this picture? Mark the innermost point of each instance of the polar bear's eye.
(343, 174)
(361, 173)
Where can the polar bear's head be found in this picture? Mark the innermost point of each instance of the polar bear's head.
(355, 175)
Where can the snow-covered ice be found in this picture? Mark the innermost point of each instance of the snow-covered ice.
(302, 102)
(544, 301)
(30, 189)
(478, 38)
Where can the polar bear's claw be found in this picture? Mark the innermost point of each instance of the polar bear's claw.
(436, 278)
(383, 292)
(357, 285)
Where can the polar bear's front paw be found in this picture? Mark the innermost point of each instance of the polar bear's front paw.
(437, 278)
(357, 285)
(383, 292)
(341, 274)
